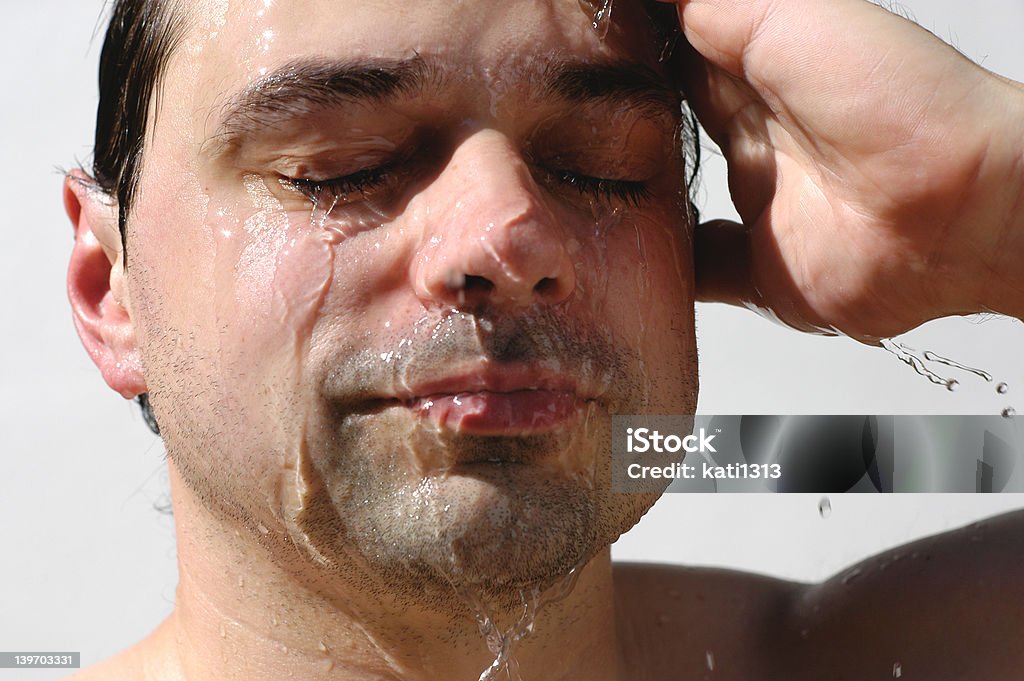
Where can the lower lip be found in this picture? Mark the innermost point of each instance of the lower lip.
(521, 412)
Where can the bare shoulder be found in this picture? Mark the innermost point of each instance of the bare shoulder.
(681, 622)
(946, 608)
(143, 661)
(125, 665)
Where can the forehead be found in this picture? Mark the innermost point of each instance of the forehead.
(233, 43)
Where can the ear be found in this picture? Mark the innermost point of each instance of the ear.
(97, 286)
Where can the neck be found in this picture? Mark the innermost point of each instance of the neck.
(240, 615)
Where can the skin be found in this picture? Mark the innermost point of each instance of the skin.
(912, 162)
(244, 313)
(290, 367)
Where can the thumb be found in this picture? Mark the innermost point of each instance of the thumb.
(778, 35)
(722, 30)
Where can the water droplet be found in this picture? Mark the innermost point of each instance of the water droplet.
(263, 529)
(241, 581)
(952, 384)
(273, 620)
(1002, 388)
(851, 575)
(825, 507)
(1008, 412)
(897, 670)
(603, 19)
(709, 657)
(223, 632)
(322, 647)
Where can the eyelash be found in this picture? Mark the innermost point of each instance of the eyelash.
(631, 191)
(338, 188)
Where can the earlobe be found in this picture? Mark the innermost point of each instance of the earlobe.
(96, 287)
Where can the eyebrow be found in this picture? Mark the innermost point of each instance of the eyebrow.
(306, 87)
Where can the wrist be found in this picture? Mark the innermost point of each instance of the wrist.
(1004, 194)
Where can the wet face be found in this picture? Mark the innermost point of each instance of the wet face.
(394, 265)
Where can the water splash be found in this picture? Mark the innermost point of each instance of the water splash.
(501, 642)
(906, 355)
(932, 357)
(917, 361)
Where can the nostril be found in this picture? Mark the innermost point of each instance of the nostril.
(546, 286)
(475, 284)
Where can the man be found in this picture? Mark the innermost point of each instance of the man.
(384, 271)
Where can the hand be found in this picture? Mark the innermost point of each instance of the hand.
(879, 174)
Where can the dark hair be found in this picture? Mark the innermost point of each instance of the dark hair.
(138, 43)
(140, 38)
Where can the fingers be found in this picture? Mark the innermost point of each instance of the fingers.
(722, 262)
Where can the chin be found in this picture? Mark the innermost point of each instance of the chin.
(510, 526)
(502, 517)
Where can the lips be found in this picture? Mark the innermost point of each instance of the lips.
(509, 401)
(519, 412)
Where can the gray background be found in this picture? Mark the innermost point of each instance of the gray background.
(87, 563)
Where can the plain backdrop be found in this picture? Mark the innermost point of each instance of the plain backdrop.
(87, 560)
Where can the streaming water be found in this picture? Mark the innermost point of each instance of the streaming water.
(603, 18)
(906, 355)
(918, 362)
(501, 641)
(932, 357)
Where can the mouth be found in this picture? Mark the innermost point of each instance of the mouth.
(492, 401)
(519, 412)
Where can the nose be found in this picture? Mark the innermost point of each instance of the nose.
(490, 238)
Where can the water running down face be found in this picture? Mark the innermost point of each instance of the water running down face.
(394, 266)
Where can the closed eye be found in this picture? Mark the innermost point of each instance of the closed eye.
(341, 190)
(631, 191)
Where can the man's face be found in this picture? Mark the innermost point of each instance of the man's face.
(393, 266)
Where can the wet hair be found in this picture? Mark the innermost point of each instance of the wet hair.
(140, 38)
(139, 41)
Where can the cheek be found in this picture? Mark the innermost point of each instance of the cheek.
(650, 305)
(651, 285)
